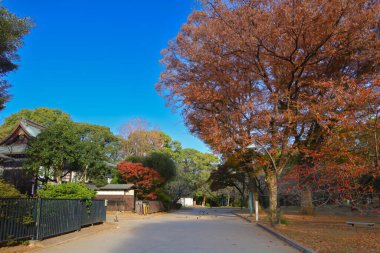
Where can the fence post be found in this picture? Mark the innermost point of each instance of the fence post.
(38, 218)
(81, 212)
(257, 210)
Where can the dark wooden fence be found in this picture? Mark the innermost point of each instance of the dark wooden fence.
(22, 218)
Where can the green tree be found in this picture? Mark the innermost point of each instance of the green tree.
(12, 30)
(193, 170)
(98, 145)
(66, 147)
(54, 151)
(7, 190)
(42, 116)
(162, 163)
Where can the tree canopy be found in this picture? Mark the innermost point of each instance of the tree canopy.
(12, 30)
(146, 180)
(139, 139)
(274, 73)
(65, 147)
(55, 151)
(43, 116)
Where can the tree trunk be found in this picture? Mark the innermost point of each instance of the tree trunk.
(242, 197)
(204, 200)
(274, 210)
(307, 206)
(228, 198)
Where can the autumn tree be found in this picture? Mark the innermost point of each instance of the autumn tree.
(273, 73)
(146, 180)
(139, 138)
(12, 30)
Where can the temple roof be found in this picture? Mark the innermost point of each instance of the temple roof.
(15, 142)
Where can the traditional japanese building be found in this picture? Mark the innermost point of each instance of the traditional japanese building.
(13, 154)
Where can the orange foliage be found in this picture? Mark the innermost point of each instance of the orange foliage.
(283, 73)
(145, 179)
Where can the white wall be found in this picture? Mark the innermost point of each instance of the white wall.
(186, 202)
(118, 193)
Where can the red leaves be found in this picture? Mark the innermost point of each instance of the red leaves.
(145, 179)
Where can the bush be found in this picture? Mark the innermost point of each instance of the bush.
(8, 191)
(66, 191)
(178, 205)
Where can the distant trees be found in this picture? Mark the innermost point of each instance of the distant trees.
(185, 171)
(193, 171)
(286, 75)
(13, 29)
(139, 139)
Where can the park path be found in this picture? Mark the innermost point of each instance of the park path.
(191, 230)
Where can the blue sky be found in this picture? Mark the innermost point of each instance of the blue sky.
(98, 60)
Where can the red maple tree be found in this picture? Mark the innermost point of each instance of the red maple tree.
(145, 179)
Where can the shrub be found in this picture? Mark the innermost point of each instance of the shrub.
(8, 191)
(66, 191)
(178, 205)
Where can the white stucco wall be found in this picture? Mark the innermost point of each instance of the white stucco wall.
(186, 202)
(118, 193)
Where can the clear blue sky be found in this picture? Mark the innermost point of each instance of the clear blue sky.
(98, 60)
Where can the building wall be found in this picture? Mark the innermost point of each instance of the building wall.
(186, 202)
(118, 202)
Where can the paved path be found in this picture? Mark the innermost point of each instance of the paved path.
(193, 230)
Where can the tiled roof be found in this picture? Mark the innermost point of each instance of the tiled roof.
(117, 187)
(111, 187)
(32, 128)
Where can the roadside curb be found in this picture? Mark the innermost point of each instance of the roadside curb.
(241, 216)
(292, 243)
(71, 236)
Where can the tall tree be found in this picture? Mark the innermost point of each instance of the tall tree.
(66, 147)
(98, 146)
(273, 73)
(54, 151)
(12, 30)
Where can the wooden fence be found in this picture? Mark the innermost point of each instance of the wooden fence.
(22, 218)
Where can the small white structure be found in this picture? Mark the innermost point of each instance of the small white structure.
(186, 202)
(119, 197)
(116, 190)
